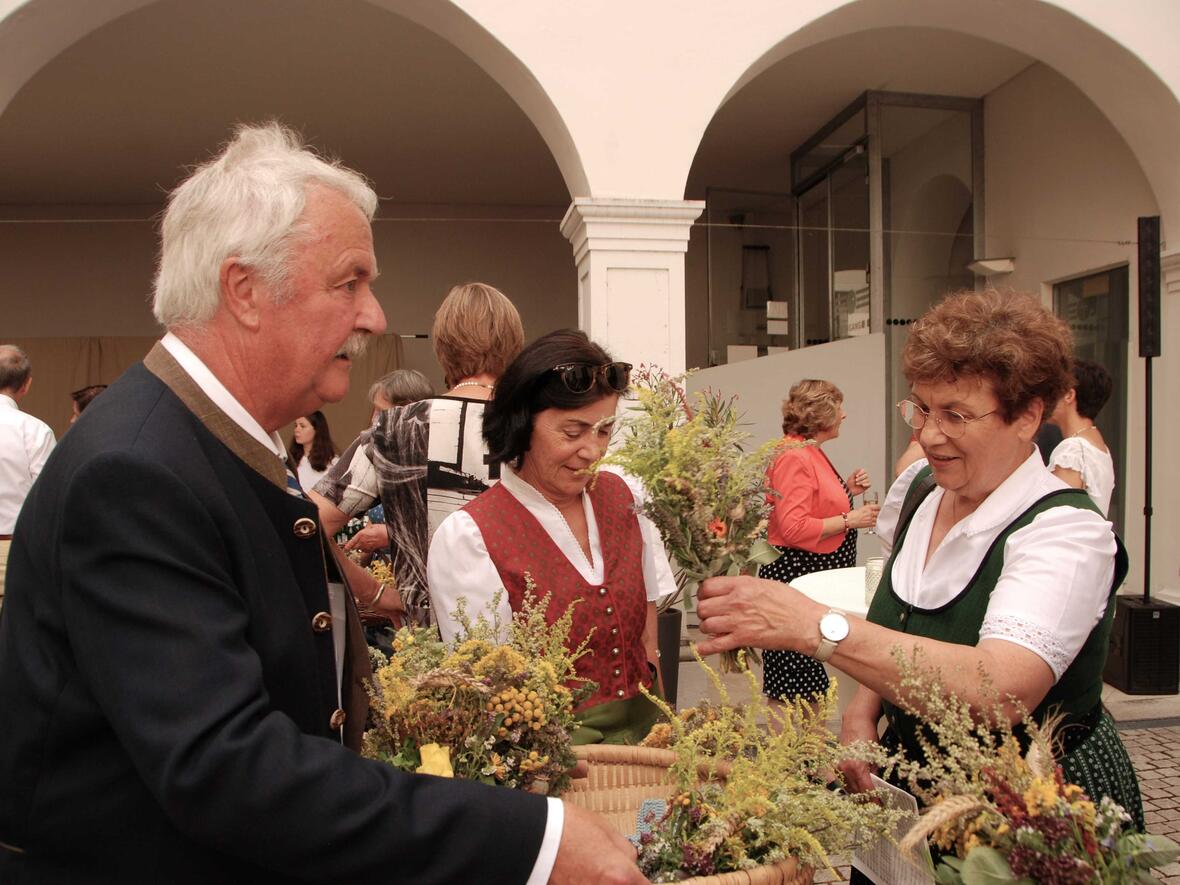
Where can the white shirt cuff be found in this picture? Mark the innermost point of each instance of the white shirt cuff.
(547, 856)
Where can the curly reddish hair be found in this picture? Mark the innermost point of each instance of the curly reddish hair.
(811, 406)
(1006, 338)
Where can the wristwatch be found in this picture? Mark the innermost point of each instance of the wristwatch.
(833, 627)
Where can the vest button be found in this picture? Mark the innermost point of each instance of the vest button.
(620, 692)
(322, 622)
(614, 631)
(618, 671)
(602, 591)
(304, 527)
(610, 609)
(337, 719)
(615, 652)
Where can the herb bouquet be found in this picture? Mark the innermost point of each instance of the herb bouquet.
(764, 798)
(477, 709)
(706, 494)
(999, 813)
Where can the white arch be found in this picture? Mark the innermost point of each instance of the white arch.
(33, 32)
(1113, 73)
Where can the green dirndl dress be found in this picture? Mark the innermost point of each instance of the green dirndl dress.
(1094, 756)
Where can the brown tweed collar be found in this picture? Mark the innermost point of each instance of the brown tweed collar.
(256, 456)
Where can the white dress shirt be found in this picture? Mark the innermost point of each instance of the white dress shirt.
(459, 565)
(224, 400)
(1057, 572)
(25, 444)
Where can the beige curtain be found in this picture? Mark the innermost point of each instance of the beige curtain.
(63, 365)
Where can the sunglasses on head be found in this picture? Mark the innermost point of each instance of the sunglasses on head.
(580, 377)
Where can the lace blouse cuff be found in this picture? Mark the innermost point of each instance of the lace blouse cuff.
(1035, 637)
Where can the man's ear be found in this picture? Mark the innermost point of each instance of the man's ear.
(241, 292)
(24, 388)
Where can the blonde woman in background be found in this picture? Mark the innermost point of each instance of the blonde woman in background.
(813, 524)
(425, 460)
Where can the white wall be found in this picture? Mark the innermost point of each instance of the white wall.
(1055, 167)
(855, 365)
(95, 278)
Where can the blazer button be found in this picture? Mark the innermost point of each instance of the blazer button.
(614, 631)
(602, 591)
(337, 719)
(322, 622)
(618, 671)
(610, 609)
(620, 692)
(304, 527)
(615, 652)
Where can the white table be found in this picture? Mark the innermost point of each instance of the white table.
(842, 588)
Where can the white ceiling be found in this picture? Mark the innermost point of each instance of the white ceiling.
(116, 117)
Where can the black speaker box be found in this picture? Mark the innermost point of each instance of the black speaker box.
(1149, 285)
(1144, 655)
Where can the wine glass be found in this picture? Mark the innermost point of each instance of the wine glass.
(872, 497)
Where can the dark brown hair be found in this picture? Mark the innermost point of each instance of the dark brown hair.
(529, 385)
(323, 450)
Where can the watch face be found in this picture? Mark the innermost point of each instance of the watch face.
(833, 626)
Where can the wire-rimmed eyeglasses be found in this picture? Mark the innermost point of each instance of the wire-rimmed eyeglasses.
(580, 377)
(952, 424)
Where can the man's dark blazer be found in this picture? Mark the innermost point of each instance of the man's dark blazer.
(166, 699)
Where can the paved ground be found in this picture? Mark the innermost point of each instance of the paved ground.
(1150, 727)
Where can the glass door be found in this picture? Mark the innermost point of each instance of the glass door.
(1095, 307)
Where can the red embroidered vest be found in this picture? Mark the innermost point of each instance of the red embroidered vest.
(616, 609)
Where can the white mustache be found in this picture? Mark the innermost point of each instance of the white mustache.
(354, 346)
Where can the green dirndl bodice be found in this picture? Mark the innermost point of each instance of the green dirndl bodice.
(1094, 756)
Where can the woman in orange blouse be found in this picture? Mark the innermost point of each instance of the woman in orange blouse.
(813, 523)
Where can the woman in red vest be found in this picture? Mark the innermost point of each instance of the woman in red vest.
(549, 422)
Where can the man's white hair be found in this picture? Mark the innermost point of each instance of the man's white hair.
(245, 203)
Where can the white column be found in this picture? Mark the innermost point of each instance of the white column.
(630, 260)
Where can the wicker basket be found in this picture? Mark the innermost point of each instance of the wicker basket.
(620, 778)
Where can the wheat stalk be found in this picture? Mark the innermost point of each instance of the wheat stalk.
(944, 812)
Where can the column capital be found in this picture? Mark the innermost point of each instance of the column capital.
(629, 225)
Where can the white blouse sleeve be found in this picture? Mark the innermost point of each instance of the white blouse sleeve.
(891, 508)
(459, 567)
(657, 571)
(1068, 454)
(1054, 586)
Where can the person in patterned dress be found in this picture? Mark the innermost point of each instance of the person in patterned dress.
(813, 522)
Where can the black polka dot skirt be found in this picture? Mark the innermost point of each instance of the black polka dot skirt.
(787, 674)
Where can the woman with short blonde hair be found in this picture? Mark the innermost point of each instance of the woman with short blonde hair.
(424, 460)
(477, 332)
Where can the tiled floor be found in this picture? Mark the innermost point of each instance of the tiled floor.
(1150, 727)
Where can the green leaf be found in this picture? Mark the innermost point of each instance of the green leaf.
(1150, 850)
(945, 874)
(762, 553)
(986, 866)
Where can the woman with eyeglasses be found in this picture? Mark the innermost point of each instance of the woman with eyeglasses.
(995, 565)
(813, 522)
(578, 537)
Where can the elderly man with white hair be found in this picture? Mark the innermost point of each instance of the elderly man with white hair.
(180, 664)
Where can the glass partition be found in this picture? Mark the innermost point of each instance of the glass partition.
(927, 174)
(1095, 307)
(751, 269)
